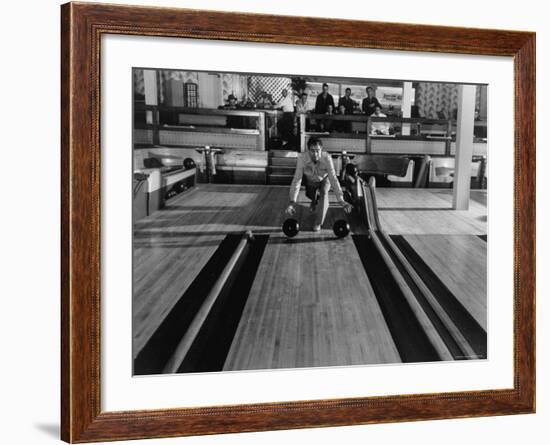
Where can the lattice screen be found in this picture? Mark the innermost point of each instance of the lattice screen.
(271, 85)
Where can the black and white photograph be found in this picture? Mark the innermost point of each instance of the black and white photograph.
(243, 223)
(284, 221)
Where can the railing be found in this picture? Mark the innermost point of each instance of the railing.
(365, 128)
(371, 128)
(160, 118)
(359, 129)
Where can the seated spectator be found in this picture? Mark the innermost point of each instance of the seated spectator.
(301, 108)
(248, 103)
(231, 103)
(264, 102)
(327, 124)
(301, 104)
(342, 126)
(232, 121)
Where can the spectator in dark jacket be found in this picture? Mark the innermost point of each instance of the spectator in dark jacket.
(370, 102)
(347, 102)
(324, 99)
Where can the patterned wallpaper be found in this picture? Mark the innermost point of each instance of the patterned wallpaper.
(139, 85)
(432, 98)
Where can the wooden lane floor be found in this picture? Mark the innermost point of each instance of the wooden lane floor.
(311, 304)
(460, 262)
(304, 311)
(173, 245)
(454, 267)
(428, 211)
(448, 250)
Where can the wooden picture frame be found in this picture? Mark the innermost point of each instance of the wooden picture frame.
(82, 26)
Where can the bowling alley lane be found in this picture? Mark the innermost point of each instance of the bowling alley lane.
(460, 262)
(447, 248)
(172, 246)
(311, 305)
(429, 211)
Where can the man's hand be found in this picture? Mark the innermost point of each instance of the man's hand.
(290, 210)
(347, 206)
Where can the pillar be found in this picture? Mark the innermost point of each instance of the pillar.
(406, 100)
(151, 91)
(464, 146)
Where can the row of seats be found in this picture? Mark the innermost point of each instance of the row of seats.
(441, 172)
(407, 179)
(419, 171)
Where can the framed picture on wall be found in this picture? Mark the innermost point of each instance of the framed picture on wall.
(254, 239)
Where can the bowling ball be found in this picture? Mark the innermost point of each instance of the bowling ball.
(291, 227)
(351, 169)
(180, 187)
(188, 163)
(341, 228)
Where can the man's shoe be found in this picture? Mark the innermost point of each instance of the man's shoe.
(317, 228)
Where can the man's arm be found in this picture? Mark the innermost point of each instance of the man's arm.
(334, 180)
(296, 180)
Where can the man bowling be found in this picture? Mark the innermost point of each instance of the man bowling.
(315, 168)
